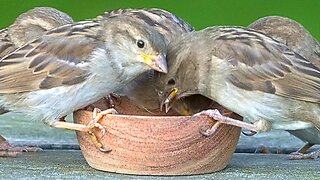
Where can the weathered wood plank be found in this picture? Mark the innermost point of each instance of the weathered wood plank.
(71, 165)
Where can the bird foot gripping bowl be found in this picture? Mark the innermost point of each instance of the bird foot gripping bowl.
(156, 145)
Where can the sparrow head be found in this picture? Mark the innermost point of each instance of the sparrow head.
(283, 29)
(166, 23)
(137, 43)
(290, 33)
(182, 78)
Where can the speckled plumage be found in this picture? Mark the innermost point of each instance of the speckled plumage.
(291, 33)
(27, 27)
(299, 39)
(75, 65)
(141, 91)
(248, 73)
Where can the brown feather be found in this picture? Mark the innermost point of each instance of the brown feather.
(168, 24)
(291, 33)
(6, 46)
(50, 61)
(264, 64)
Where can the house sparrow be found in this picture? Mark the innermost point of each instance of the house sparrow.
(75, 65)
(141, 91)
(248, 73)
(285, 30)
(27, 27)
(297, 38)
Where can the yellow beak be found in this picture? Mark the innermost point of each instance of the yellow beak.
(168, 100)
(157, 62)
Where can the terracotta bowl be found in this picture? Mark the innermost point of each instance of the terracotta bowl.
(157, 145)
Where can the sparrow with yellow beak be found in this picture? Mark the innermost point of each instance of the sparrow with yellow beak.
(141, 91)
(74, 65)
(248, 73)
(28, 26)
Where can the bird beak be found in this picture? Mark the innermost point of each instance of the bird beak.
(157, 62)
(167, 102)
(178, 104)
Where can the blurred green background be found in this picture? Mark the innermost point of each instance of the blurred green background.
(199, 13)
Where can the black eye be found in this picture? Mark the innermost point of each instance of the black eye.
(160, 93)
(171, 82)
(140, 43)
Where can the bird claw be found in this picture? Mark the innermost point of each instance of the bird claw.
(110, 99)
(97, 115)
(214, 114)
(8, 150)
(96, 125)
(98, 144)
(212, 130)
(251, 133)
(105, 150)
(299, 156)
(89, 128)
(206, 133)
(221, 119)
(211, 113)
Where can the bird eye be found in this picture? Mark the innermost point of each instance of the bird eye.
(140, 43)
(160, 93)
(171, 82)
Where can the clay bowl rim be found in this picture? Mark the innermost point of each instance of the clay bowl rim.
(150, 117)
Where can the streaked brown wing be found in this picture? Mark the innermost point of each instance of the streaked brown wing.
(6, 46)
(261, 63)
(55, 59)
